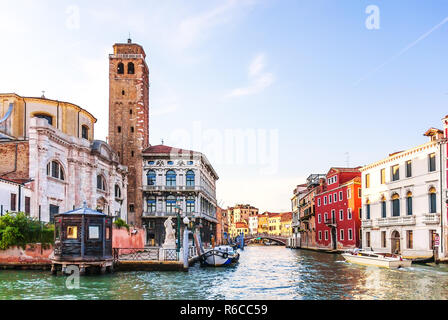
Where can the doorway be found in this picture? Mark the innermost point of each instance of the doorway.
(395, 243)
(333, 238)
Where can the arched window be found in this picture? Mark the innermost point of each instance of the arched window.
(120, 68)
(171, 178)
(85, 132)
(190, 204)
(151, 204)
(151, 177)
(383, 207)
(409, 203)
(190, 178)
(54, 170)
(368, 209)
(170, 204)
(130, 68)
(432, 200)
(117, 191)
(100, 182)
(395, 205)
(47, 117)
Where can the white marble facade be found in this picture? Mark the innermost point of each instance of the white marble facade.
(402, 214)
(81, 162)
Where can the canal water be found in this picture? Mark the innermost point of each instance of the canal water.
(262, 273)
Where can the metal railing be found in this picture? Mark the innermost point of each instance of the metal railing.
(170, 255)
(136, 254)
(148, 188)
(149, 254)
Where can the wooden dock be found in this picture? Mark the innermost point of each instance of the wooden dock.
(151, 259)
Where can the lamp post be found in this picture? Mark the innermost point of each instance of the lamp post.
(186, 246)
(178, 210)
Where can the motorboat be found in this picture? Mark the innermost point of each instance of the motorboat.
(370, 258)
(220, 256)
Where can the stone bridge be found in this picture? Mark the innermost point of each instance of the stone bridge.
(278, 239)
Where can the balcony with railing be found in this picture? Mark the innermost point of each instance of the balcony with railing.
(331, 222)
(159, 214)
(170, 188)
(367, 223)
(431, 218)
(397, 221)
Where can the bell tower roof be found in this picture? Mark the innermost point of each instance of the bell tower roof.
(127, 49)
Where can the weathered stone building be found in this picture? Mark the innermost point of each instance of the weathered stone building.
(50, 144)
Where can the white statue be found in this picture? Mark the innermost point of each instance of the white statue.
(170, 234)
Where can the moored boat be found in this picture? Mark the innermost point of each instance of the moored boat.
(220, 256)
(370, 258)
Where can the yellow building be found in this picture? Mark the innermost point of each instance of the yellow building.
(274, 224)
(239, 213)
(263, 223)
(286, 224)
(241, 227)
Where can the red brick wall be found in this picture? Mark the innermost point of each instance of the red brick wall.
(31, 255)
(8, 159)
(121, 238)
(130, 92)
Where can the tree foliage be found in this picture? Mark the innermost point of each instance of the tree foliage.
(17, 229)
(120, 223)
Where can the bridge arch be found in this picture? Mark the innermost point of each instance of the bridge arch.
(278, 239)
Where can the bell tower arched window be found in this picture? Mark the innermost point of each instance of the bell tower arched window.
(131, 68)
(120, 68)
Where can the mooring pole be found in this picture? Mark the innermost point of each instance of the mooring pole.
(186, 249)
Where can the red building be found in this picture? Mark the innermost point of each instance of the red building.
(338, 210)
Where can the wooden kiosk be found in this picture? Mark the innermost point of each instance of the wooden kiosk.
(83, 238)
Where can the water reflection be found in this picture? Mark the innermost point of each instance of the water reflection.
(263, 273)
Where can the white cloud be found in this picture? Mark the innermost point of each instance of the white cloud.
(195, 28)
(258, 79)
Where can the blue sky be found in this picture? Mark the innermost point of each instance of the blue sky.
(307, 74)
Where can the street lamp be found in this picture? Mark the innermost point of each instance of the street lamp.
(178, 210)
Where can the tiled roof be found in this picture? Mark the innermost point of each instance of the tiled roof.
(17, 181)
(286, 216)
(166, 149)
(241, 225)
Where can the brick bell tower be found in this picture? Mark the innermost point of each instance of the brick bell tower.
(129, 117)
